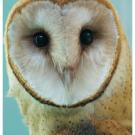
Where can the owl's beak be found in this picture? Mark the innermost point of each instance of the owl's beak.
(67, 76)
(66, 60)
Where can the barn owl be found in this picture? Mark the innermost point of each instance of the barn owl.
(69, 67)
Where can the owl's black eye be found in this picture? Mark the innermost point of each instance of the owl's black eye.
(40, 39)
(86, 37)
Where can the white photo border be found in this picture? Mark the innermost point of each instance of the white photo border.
(1, 67)
(133, 65)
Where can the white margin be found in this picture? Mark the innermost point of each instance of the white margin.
(133, 63)
(1, 67)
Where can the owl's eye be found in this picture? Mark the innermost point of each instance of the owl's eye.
(86, 37)
(40, 39)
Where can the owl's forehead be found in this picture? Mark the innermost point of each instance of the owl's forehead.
(75, 14)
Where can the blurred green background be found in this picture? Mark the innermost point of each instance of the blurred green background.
(13, 122)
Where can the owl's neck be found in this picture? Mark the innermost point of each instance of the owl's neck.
(46, 120)
(65, 123)
(60, 127)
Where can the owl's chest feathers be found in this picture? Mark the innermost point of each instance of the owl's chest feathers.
(43, 119)
(50, 120)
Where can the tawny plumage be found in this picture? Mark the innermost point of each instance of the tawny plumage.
(69, 67)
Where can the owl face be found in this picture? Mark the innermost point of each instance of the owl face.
(63, 55)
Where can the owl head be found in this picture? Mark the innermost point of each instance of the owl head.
(63, 52)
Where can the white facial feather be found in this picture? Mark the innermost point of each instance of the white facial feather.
(45, 73)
